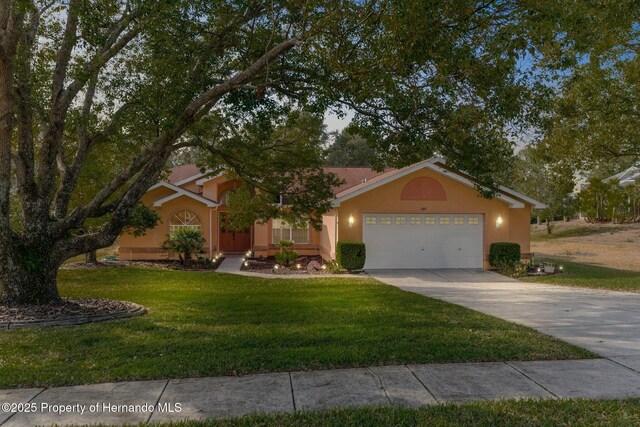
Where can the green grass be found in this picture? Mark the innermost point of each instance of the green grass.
(591, 276)
(506, 413)
(208, 324)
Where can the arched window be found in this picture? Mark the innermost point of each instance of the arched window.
(184, 219)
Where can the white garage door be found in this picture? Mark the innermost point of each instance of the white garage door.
(423, 240)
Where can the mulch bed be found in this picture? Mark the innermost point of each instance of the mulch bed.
(166, 264)
(70, 311)
(266, 265)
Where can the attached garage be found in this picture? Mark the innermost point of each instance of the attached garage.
(423, 240)
(429, 216)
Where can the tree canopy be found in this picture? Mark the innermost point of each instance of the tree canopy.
(103, 91)
(593, 122)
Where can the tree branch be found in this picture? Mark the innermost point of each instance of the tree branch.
(162, 146)
(24, 160)
(53, 137)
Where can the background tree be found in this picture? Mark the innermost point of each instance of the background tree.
(594, 120)
(604, 201)
(552, 186)
(349, 149)
(124, 83)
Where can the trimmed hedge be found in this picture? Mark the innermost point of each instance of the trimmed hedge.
(503, 254)
(351, 255)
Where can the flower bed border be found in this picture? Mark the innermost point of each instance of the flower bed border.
(133, 311)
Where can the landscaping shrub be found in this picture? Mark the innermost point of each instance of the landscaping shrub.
(286, 257)
(351, 255)
(185, 242)
(504, 254)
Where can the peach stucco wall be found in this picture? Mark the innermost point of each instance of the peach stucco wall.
(213, 188)
(149, 245)
(328, 235)
(460, 199)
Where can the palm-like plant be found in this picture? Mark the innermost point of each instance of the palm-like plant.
(185, 242)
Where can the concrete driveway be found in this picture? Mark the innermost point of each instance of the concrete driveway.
(605, 322)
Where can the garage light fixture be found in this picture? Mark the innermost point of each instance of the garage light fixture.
(499, 221)
(352, 220)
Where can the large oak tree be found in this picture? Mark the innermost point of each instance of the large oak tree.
(106, 90)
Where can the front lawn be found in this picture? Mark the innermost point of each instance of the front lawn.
(208, 324)
(591, 276)
(506, 413)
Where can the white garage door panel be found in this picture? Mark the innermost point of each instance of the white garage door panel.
(423, 241)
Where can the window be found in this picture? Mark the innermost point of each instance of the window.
(458, 220)
(473, 220)
(281, 230)
(430, 220)
(415, 220)
(401, 220)
(385, 220)
(184, 219)
(370, 220)
(444, 220)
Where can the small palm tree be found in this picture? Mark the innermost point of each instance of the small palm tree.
(185, 242)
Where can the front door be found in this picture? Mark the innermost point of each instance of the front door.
(233, 241)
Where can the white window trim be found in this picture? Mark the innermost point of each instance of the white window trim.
(173, 227)
(290, 233)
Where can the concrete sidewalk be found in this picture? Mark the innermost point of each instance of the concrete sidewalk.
(408, 385)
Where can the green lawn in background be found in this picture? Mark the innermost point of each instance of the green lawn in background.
(591, 276)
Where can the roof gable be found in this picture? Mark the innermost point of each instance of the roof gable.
(178, 192)
(511, 197)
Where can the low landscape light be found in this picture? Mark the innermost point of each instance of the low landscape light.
(275, 267)
(246, 263)
(561, 268)
(298, 266)
(324, 266)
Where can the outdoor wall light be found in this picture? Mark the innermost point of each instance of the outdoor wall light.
(352, 220)
(499, 221)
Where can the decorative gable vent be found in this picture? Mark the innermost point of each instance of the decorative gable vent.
(423, 188)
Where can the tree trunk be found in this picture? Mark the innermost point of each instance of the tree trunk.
(28, 281)
(91, 257)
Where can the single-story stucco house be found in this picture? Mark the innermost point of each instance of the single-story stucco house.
(420, 216)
